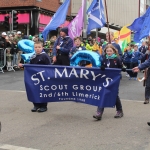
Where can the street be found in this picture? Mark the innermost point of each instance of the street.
(68, 125)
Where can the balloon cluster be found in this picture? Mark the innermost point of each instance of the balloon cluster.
(93, 57)
(26, 46)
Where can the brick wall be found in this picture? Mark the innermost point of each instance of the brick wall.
(52, 5)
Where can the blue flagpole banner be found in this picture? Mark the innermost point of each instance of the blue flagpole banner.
(64, 83)
(58, 19)
(136, 37)
(136, 25)
(145, 29)
(141, 26)
(96, 17)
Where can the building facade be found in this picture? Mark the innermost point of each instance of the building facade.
(33, 15)
(123, 12)
(120, 12)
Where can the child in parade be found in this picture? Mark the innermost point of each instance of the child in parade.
(77, 47)
(9, 59)
(96, 47)
(127, 58)
(111, 60)
(89, 45)
(14, 52)
(136, 55)
(40, 58)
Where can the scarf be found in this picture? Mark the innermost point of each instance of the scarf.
(111, 57)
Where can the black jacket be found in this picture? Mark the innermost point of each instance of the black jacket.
(2, 42)
(143, 49)
(111, 63)
(14, 48)
(42, 59)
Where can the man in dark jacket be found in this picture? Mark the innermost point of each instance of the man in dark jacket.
(62, 47)
(143, 66)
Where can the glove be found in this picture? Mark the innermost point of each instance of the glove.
(102, 68)
(124, 69)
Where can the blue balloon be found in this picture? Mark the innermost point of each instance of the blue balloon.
(93, 57)
(26, 46)
(26, 57)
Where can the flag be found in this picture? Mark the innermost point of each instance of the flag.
(58, 19)
(76, 25)
(136, 37)
(145, 29)
(48, 83)
(141, 26)
(124, 45)
(136, 25)
(96, 17)
(116, 35)
(125, 34)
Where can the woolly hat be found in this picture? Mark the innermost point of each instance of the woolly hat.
(65, 30)
(25, 37)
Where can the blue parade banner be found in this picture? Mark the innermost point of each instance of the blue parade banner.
(79, 84)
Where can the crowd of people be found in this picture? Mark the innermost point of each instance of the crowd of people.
(9, 42)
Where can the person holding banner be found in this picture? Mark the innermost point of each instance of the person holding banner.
(111, 60)
(40, 58)
(143, 66)
(62, 47)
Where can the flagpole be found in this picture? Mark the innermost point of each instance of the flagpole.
(107, 21)
(139, 8)
(85, 21)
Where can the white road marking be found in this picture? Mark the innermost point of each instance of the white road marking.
(127, 100)
(11, 147)
(13, 91)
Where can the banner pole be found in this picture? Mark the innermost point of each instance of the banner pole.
(97, 35)
(107, 21)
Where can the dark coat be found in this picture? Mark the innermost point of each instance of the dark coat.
(111, 63)
(65, 45)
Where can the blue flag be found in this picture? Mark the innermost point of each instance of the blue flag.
(79, 84)
(58, 19)
(96, 17)
(141, 26)
(145, 29)
(136, 37)
(136, 25)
